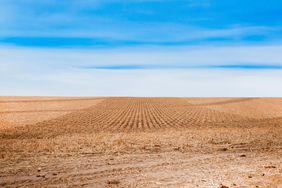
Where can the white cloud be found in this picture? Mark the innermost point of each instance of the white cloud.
(34, 58)
(180, 83)
(25, 71)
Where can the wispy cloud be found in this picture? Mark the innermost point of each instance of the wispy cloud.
(216, 71)
(175, 36)
(160, 48)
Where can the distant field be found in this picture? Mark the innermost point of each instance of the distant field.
(140, 142)
(16, 111)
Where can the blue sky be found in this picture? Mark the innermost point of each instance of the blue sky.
(100, 46)
(112, 23)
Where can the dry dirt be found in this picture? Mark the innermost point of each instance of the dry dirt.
(140, 142)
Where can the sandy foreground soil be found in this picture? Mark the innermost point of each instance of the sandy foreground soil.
(140, 142)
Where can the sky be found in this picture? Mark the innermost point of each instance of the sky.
(171, 48)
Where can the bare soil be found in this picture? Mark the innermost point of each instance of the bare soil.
(140, 142)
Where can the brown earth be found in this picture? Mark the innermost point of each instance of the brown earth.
(140, 142)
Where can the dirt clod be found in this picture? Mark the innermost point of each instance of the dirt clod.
(270, 166)
(113, 182)
(223, 186)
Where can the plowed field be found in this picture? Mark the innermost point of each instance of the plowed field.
(140, 142)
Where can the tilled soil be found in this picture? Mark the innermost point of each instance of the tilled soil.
(140, 142)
